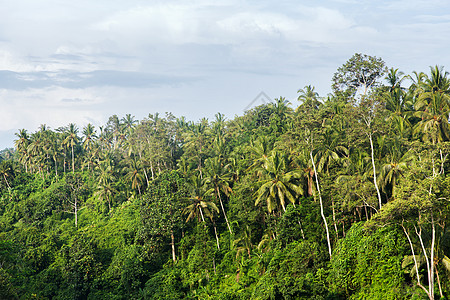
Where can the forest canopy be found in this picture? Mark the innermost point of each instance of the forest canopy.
(337, 197)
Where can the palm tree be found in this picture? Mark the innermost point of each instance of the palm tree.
(398, 101)
(309, 98)
(433, 106)
(21, 145)
(105, 191)
(195, 142)
(219, 125)
(88, 140)
(329, 149)
(278, 183)
(392, 170)
(260, 150)
(219, 178)
(71, 141)
(128, 123)
(201, 205)
(35, 151)
(6, 171)
(134, 173)
(434, 116)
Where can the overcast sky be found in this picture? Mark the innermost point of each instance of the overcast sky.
(83, 61)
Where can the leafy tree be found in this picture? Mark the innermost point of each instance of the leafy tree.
(279, 183)
(359, 74)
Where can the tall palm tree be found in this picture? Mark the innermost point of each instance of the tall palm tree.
(282, 109)
(398, 101)
(105, 191)
(21, 145)
(201, 205)
(88, 140)
(35, 151)
(260, 150)
(433, 126)
(71, 141)
(196, 140)
(219, 178)
(133, 170)
(309, 99)
(219, 125)
(7, 171)
(329, 149)
(128, 123)
(279, 183)
(392, 170)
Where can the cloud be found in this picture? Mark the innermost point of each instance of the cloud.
(75, 80)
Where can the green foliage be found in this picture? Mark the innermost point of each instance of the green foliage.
(360, 271)
(164, 208)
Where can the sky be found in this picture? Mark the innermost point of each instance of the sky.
(83, 61)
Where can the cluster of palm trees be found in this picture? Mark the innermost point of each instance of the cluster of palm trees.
(361, 149)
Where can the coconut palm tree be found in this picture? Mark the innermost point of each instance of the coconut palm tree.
(434, 112)
(7, 171)
(279, 182)
(329, 149)
(88, 141)
(219, 178)
(201, 204)
(133, 174)
(309, 99)
(71, 141)
(21, 145)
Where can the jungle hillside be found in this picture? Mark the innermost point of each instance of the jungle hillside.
(343, 196)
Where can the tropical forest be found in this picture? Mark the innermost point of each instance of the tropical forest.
(343, 196)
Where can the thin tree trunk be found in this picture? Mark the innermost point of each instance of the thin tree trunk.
(4, 176)
(56, 167)
(416, 265)
(76, 213)
(374, 169)
(334, 219)
(310, 182)
(145, 172)
(217, 237)
(321, 205)
(73, 161)
(174, 258)
(301, 229)
(201, 213)
(223, 210)
(429, 261)
(433, 240)
(151, 169)
(146, 177)
(439, 283)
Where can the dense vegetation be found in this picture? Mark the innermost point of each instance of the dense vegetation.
(343, 197)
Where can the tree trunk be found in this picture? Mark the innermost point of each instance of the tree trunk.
(416, 265)
(321, 205)
(151, 169)
(56, 167)
(73, 161)
(217, 237)
(374, 169)
(76, 213)
(4, 176)
(433, 240)
(174, 258)
(223, 210)
(334, 219)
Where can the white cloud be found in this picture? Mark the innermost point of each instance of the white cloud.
(32, 107)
